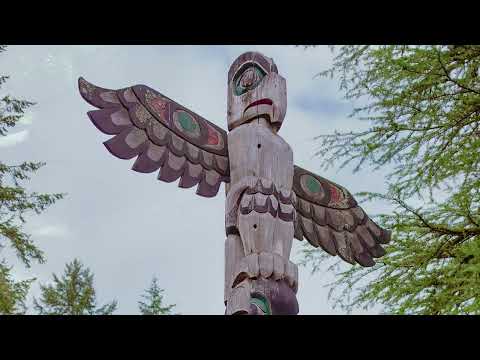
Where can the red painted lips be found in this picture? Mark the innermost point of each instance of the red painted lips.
(260, 102)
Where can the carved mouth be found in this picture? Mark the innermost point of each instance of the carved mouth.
(259, 102)
(264, 109)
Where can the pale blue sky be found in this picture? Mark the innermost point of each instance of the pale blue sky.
(127, 226)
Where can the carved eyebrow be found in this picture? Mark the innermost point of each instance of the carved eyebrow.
(245, 66)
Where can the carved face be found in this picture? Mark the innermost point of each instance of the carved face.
(255, 90)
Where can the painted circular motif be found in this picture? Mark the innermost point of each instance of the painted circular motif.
(312, 187)
(248, 79)
(325, 193)
(186, 123)
(313, 184)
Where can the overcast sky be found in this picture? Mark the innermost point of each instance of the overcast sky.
(126, 226)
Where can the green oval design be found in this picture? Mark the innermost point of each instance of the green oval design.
(239, 88)
(313, 185)
(186, 121)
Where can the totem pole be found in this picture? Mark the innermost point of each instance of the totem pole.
(269, 200)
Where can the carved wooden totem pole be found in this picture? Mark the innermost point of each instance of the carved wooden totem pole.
(269, 200)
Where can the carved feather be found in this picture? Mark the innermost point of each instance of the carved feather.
(161, 134)
(328, 216)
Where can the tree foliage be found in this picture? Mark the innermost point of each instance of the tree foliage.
(12, 293)
(15, 204)
(72, 294)
(153, 301)
(422, 107)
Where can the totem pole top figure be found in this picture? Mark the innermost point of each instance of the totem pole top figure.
(269, 200)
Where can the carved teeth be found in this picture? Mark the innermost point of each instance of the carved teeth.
(260, 199)
(246, 200)
(265, 261)
(278, 267)
(285, 193)
(266, 183)
(274, 202)
(253, 265)
(266, 265)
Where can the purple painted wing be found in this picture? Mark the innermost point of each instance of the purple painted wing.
(328, 216)
(161, 134)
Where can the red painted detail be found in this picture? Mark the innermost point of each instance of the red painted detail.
(160, 107)
(260, 102)
(212, 136)
(336, 195)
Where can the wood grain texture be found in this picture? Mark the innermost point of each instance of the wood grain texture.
(161, 134)
(260, 204)
(239, 300)
(266, 98)
(233, 256)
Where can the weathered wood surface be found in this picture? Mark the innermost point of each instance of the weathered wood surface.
(255, 88)
(233, 256)
(260, 201)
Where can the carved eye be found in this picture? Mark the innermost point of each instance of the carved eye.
(248, 78)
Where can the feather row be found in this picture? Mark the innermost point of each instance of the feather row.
(154, 145)
(262, 203)
(349, 233)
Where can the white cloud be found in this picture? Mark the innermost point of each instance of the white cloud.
(52, 231)
(14, 139)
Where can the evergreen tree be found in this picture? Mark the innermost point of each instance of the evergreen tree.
(12, 294)
(15, 203)
(423, 107)
(153, 304)
(73, 294)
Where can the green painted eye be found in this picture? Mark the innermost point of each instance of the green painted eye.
(248, 79)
